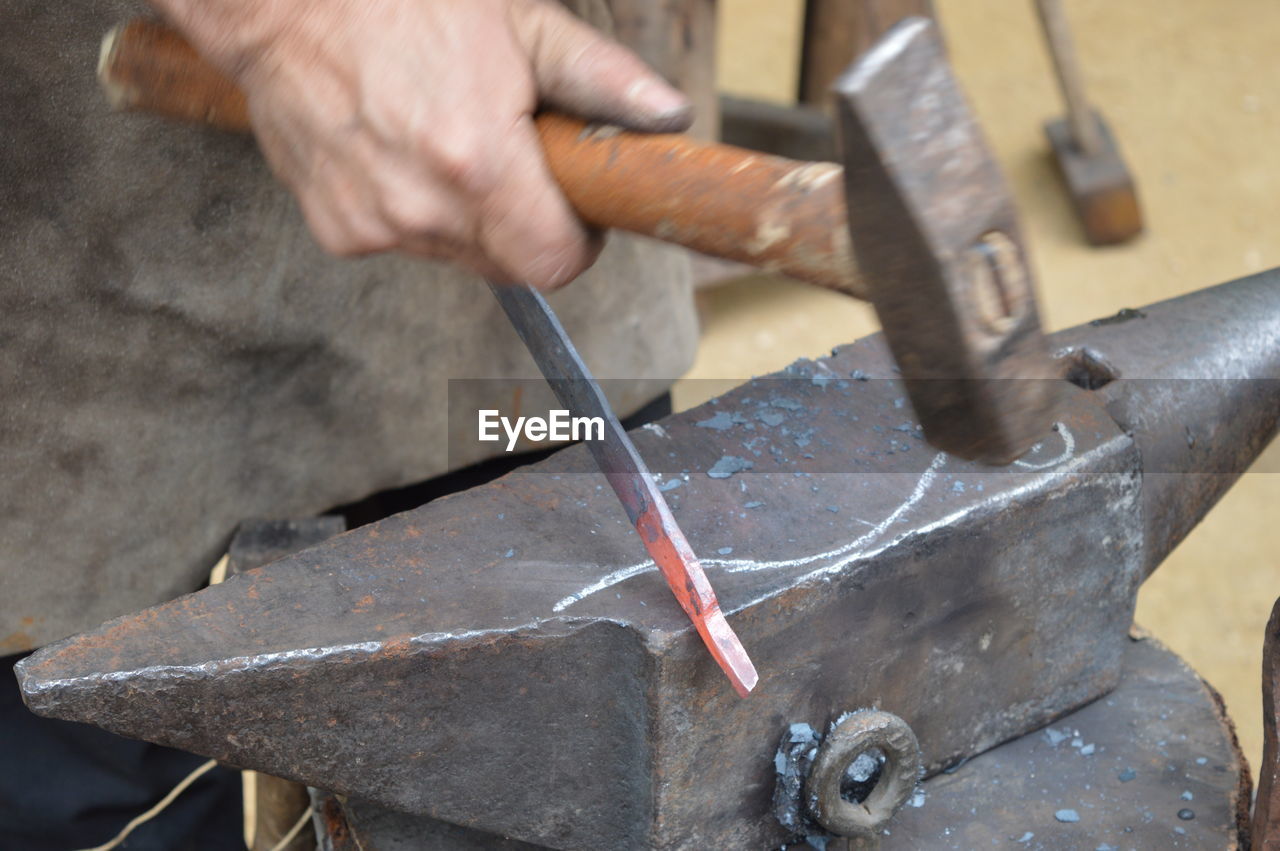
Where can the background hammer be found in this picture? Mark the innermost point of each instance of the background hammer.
(1101, 188)
(937, 245)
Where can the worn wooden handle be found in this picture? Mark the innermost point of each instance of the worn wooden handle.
(779, 214)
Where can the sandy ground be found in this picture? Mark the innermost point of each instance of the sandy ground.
(1192, 90)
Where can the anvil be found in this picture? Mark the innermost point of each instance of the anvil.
(506, 659)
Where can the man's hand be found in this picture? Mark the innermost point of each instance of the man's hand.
(407, 124)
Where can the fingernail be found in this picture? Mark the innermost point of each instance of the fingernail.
(563, 274)
(662, 103)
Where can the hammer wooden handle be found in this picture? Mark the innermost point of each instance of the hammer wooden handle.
(779, 214)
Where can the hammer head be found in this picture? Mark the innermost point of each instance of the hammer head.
(1099, 183)
(933, 227)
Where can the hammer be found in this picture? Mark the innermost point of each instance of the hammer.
(1101, 188)
(931, 222)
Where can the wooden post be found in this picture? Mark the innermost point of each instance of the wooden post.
(678, 38)
(838, 31)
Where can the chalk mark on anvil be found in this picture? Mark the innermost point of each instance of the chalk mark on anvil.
(851, 551)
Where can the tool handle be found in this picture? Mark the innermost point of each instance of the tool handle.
(1080, 116)
(783, 215)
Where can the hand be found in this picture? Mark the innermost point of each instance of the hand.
(407, 124)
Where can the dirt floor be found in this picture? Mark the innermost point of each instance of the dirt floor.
(1192, 90)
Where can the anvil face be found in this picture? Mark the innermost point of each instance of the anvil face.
(506, 659)
(558, 695)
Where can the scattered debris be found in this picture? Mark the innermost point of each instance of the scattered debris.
(771, 418)
(795, 754)
(729, 465)
(1067, 816)
(1186, 814)
(861, 769)
(1127, 775)
(1054, 737)
(722, 421)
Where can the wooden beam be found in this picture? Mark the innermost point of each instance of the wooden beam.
(838, 31)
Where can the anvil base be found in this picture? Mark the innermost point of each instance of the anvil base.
(1154, 764)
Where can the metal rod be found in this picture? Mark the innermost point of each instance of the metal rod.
(628, 475)
(1057, 33)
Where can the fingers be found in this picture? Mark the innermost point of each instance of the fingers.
(493, 208)
(453, 170)
(582, 72)
(525, 225)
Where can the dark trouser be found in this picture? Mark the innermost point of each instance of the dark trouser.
(66, 786)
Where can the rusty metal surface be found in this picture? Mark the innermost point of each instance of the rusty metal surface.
(508, 660)
(891, 767)
(1153, 765)
(1197, 382)
(628, 476)
(940, 248)
(1266, 832)
(278, 803)
(1123, 765)
(351, 825)
(570, 685)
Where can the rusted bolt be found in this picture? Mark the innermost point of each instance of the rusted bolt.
(872, 735)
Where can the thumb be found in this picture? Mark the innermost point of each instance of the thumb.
(580, 71)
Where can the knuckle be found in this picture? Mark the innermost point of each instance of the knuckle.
(464, 166)
(413, 213)
(355, 238)
(371, 237)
